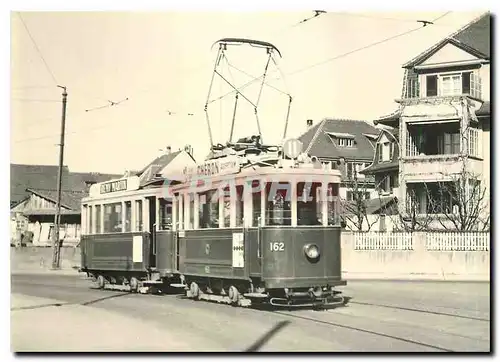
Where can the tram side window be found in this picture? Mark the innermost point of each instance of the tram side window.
(239, 206)
(165, 214)
(333, 204)
(97, 219)
(278, 203)
(209, 210)
(85, 217)
(128, 216)
(256, 202)
(308, 203)
(113, 218)
(90, 217)
(191, 211)
(138, 217)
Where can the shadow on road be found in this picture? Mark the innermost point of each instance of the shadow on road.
(267, 337)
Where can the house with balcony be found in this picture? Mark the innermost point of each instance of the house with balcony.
(443, 128)
(346, 145)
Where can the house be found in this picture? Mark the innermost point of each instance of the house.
(442, 132)
(169, 165)
(33, 201)
(346, 145)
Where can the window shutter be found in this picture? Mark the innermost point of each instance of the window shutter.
(391, 150)
(455, 143)
(466, 82)
(379, 150)
(432, 86)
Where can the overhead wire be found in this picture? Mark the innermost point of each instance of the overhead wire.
(289, 74)
(38, 49)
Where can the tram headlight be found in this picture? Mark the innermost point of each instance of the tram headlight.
(311, 251)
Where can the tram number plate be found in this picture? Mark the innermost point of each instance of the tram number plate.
(277, 246)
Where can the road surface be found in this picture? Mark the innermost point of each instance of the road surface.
(382, 316)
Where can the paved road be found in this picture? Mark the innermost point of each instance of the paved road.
(382, 316)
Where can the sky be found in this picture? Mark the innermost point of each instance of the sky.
(163, 61)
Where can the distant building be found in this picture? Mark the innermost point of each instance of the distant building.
(33, 201)
(346, 145)
(34, 195)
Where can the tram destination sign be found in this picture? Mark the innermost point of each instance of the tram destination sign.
(114, 186)
(212, 168)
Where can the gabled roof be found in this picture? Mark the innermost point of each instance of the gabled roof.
(323, 146)
(23, 177)
(159, 162)
(69, 199)
(473, 38)
(44, 177)
(393, 164)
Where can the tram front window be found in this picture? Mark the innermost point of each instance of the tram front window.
(308, 203)
(278, 204)
(333, 204)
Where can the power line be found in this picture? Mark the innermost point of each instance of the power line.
(291, 73)
(38, 49)
(35, 100)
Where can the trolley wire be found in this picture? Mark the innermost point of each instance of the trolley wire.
(38, 49)
(340, 56)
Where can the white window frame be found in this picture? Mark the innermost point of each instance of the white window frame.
(475, 82)
(345, 142)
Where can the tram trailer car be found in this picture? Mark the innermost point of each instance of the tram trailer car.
(262, 242)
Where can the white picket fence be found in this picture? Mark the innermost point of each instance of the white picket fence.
(434, 240)
(458, 241)
(383, 241)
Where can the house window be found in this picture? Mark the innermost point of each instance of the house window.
(451, 85)
(413, 90)
(431, 84)
(454, 84)
(346, 142)
(353, 169)
(473, 142)
(426, 140)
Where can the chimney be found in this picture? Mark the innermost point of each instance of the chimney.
(188, 149)
(168, 150)
(309, 123)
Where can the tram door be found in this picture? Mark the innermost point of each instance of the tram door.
(152, 230)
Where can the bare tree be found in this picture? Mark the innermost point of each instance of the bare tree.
(354, 211)
(462, 201)
(409, 217)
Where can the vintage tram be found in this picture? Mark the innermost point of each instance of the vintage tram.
(251, 226)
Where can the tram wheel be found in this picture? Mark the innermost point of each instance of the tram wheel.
(233, 294)
(134, 284)
(101, 281)
(195, 290)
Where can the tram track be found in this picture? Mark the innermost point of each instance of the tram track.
(420, 311)
(363, 330)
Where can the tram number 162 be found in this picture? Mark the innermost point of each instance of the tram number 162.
(277, 246)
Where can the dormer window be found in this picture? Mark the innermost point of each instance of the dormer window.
(385, 151)
(345, 142)
(342, 139)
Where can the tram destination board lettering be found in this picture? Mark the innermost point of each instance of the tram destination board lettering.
(114, 186)
(212, 168)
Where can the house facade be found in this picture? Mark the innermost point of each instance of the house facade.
(442, 131)
(345, 145)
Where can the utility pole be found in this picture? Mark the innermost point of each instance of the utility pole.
(55, 235)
